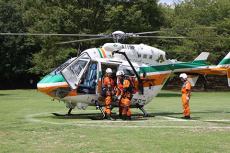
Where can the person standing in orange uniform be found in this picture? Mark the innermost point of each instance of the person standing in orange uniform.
(126, 99)
(186, 93)
(119, 89)
(109, 87)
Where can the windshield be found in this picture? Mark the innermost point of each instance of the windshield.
(74, 71)
(78, 66)
(61, 67)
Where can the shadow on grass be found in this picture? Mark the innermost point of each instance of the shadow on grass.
(98, 116)
(136, 116)
(178, 113)
(5, 94)
(169, 95)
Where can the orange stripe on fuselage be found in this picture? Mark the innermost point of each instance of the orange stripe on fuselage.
(213, 71)
(103, 52)
(49, 89)
(72, 93)
(154, 80)
(151, 80)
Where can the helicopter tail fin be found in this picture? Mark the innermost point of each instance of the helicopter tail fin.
(224, 65)
(201, 58)
(225, 60)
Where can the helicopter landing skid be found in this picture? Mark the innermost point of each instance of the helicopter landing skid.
(68, 114)
(145, 114)
(57, 114)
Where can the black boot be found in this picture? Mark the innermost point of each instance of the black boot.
(187, 117)
(105, 117)
(109, 117)
(124, 117)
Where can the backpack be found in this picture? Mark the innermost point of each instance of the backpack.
(131, 88)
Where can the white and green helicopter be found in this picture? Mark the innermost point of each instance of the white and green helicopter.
(78, 81)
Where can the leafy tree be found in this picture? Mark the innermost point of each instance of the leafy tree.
(15, 51)
(205, 22)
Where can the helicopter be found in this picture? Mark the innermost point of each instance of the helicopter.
(78, 81)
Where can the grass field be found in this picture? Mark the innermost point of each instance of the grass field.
(27, 125)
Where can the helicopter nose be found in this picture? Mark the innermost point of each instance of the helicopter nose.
(50, 83)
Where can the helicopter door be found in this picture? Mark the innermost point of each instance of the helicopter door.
(74, 72)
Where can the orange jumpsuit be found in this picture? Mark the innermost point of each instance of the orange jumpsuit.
(126, 99)
(186, 90)
(109, 85)
(119, 90)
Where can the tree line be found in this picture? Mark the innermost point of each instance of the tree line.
(206, 23)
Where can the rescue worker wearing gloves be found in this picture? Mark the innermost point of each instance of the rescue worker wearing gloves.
(126, 96)
(119, 89)
(186, 93)
(108, 83)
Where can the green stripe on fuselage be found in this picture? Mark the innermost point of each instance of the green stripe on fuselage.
(199, 61)
(187, 65)
(161, 68)
(158, 68)
(100, 52)
(52, 79)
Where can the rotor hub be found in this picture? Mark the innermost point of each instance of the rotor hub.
(118, 35)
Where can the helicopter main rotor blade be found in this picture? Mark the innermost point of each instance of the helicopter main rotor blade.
(167, 30)
(51, 34)
(148, 32)
(81, 40)
(181, 37)
(161, 37)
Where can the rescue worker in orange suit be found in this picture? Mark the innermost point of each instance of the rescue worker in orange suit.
(186, 93)
(109, 87)
(126, 97)
(119, 89)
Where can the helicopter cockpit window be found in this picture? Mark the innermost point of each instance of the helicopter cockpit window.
(78, 66)
(75, 70)
(61, 67)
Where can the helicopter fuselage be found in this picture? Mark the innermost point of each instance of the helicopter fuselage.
(78, 82)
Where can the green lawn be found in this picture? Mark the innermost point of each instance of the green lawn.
(27, 125)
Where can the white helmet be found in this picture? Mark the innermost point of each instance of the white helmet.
(109, 70)
(183, 75)
(119, 73)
